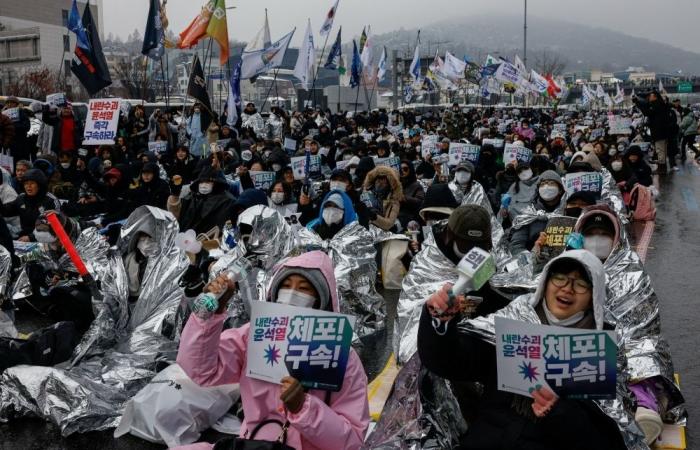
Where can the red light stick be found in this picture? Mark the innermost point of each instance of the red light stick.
(67, 243)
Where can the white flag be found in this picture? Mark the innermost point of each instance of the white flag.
(261, 40)
(520, 65)
(661, 88)
(304, 68)
(381, 68)
(586, 95)
(539, 82)
(508, 73)
(619, 96)
(328, 24)
(454, 67)
(415, 64)
(608, 100)
(600, 92)
(366, 56)
(261, 61)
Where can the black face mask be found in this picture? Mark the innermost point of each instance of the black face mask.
(573, 212)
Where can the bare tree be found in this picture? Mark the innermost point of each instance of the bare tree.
(35, 82)
(548, 62)
(132, 74)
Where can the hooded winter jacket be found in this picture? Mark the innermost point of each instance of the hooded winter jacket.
(203, 212)
(211, 357)
(328, 231)
(505, 420)
(29, 208)
(392, 203)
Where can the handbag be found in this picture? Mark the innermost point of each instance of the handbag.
(242, 443)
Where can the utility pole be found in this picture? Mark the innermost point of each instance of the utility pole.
(525, 36)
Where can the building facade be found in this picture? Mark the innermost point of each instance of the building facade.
(34, 33)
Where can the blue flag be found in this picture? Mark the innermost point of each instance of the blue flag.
(234, 97)
(75, 25)
(154, 38)
(356, 68)
(334, 56)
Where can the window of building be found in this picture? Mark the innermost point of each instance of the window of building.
(22, 48)
(66, 43)
(66, 68)
(64, 13)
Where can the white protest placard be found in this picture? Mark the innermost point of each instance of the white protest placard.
(158, 146)
(429, 145)
(513, 153)
(101, 122)
(290, 145)
(298, 164)
(574, 363)
(497, 143)
(583, 182)
(394, 162)
(262, 180)
(7, 162)
(12, 114)
(310, 345)
(222, 143)
(342, 164)
(619, 125)
(57, 99)
(460, 152)
(597, 133)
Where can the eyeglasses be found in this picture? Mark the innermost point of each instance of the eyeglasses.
(579, 286)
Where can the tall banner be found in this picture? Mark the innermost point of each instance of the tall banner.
(101, 122)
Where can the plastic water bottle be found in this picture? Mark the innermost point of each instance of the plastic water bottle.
(207, 303)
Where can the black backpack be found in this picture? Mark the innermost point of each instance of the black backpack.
(45, 347)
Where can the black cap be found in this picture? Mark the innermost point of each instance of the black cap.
(598, 221)
(471, 223)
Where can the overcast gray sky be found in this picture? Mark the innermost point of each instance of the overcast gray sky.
(672, 22)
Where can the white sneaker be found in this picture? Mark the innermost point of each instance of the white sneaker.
(675, 168)
(650, 423)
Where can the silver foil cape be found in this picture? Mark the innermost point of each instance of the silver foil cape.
(633, 305)
(477, 196)
(421, 413)
(7, 325)
(355, 267)
(119, 353)
(429, 271)
(621, 409)
(254, 121)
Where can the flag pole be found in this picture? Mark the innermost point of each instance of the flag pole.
(274, 82)
(165, 88)
(318, 67)
(357, 98)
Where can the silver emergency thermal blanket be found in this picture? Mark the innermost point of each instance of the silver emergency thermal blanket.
(274, 127)
(477, 196)
(7, 326)
(620, 409)
(429, 271)
(422, 413)
(118, 355)
(355, 268)
(255, 122)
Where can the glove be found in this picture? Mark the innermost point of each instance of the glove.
(175, 186)
(372, 214)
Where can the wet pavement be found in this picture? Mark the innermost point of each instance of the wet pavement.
(671, 261)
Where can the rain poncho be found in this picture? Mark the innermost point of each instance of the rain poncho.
(118, 354)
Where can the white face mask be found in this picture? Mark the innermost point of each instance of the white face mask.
(332, 215)
(548, 193)
(568, 154)
(146, 246)
(206, 188)
(352, 172)
(612, 151)
(276, 167)
(277, 197)
(600, 246)
(525, 175)
(295, 298)
(463, 177)
(65, 165)
(616, 166)
(338, 185)
(455, 248)
(44, 237)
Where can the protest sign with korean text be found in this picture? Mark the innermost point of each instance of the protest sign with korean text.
(584, 182)
(557, 231)
(158, 146)
(574, 363)
(497, 143)
(262, 180)
(394, 162)
(222, 143)
(12, 114)
(513, 153)
(460, 152)
(619, 125)
(310, 345)
(429, 145)
(57, 99)
(101, 122)
(298, 164)
(290, 145)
